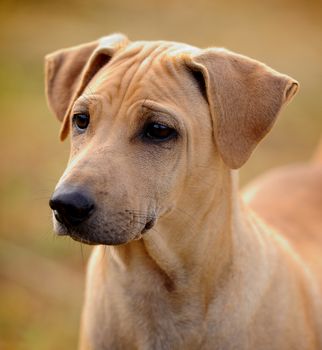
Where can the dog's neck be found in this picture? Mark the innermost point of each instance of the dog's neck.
(191, 243)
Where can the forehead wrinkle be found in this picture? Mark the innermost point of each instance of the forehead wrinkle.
(136, 53)
(111, 79)
(172, 83)
(123, 76)
(159, 63)
(126, 75)
(147, 58)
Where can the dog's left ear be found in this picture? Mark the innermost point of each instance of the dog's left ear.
(244, 96)
(68, 71)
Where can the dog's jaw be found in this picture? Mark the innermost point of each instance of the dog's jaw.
(96, 231)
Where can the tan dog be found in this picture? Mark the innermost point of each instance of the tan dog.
(157, 128)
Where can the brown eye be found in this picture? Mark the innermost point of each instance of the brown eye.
(81, 121)
(159, 132)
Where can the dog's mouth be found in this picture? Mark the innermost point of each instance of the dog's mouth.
(80, 238)
(98, 233)
(148, 225)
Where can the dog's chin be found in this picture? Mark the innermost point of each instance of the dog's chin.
(85, 239)
(82, 235)
(98, 240)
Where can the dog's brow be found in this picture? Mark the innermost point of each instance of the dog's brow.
(156, 107)
(147, 107)
(85, 101)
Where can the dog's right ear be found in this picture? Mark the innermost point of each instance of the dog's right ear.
(68, 71)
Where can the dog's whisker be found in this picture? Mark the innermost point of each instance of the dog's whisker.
(82, 255)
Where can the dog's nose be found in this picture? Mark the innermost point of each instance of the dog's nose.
(71, 206)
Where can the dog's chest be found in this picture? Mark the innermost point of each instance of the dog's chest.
(133, 317)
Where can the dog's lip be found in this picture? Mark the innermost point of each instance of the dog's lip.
(80, 239)
(148, 225)
(76, 234)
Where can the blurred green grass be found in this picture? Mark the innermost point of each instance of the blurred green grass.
(41, 276)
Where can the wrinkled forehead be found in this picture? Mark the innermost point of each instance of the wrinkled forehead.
(146, 70)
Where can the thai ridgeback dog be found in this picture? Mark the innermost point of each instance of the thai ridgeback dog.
(158, 130)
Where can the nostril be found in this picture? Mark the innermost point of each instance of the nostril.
(71, 206)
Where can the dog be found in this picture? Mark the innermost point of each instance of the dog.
(158, 131)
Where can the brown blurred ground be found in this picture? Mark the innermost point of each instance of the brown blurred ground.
(41, 276)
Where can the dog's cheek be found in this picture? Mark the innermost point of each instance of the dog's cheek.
(162, 195)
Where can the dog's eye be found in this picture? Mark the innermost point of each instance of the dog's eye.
(81, 121)
(159, 132)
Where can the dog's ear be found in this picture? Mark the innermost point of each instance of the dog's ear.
(68, 71)
(244, 96)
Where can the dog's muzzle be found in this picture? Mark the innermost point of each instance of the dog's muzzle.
(78, 216)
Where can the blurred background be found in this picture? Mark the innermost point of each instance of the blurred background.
(41, 276)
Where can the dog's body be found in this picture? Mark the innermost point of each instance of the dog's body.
(318, 154)
(289, 199)
(187, 266)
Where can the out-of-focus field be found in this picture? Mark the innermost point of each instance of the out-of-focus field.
(41, 277)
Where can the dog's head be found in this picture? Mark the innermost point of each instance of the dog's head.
(149, 120)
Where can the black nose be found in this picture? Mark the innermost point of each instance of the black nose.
(71, 206)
